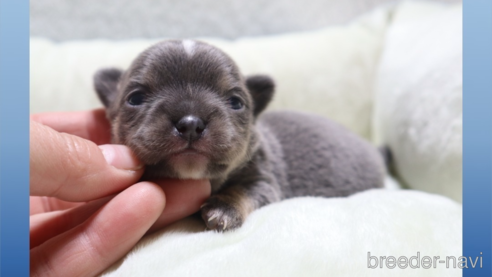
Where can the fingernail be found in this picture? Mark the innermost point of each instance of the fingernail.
(120, 157)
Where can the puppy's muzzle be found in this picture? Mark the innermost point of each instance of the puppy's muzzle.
(190, 127)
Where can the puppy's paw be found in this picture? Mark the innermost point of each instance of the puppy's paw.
(220, 215)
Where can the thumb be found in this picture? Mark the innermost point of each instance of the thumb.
(74, 169)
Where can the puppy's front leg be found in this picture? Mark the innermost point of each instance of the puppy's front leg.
(230, 207)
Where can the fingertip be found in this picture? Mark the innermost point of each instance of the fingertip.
(184, 197)
(149, 195)
(205, 186)
(75, 169)
(120, 157)
(201, 186)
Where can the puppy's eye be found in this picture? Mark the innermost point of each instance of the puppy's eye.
(236, 103)
(136, 98)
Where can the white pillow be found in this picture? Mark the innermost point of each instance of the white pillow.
(329, 72)
(418, 105)
(309, 237)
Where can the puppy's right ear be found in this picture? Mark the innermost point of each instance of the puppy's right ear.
(105, 83)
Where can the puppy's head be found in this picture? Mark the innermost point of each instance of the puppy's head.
(184, 109)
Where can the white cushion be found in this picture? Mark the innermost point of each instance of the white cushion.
(309, 237)
(418, 105)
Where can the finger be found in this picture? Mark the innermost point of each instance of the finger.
(45, 226)
(74, 169)
(42, 204)
(183, 198)
(92, 125)
(103, 238)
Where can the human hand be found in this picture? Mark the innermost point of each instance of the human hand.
(86, 210)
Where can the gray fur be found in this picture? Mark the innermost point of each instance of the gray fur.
(251, 159)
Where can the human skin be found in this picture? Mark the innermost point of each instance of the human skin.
(87, 206)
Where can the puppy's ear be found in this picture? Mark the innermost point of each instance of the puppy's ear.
(105, 83)
(261, 88)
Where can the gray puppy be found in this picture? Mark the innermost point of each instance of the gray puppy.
(187, 112)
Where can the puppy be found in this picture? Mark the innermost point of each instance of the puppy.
(187, 112)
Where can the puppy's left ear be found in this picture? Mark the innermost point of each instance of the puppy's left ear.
(105, 83)
(261, 88)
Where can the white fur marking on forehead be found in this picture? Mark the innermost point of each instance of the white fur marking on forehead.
(189, 46)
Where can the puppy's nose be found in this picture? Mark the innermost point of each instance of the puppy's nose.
(190, 127)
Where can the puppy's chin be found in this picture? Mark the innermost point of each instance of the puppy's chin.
(189, 165)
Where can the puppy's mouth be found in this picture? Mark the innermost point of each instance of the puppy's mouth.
(190, 152)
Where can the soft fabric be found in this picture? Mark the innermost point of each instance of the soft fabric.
(125, 19)
(418, 103)
(329, 72)
(309, 237)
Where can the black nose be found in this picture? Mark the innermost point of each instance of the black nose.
(190, 127)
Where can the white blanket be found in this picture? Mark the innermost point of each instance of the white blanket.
(309, 237)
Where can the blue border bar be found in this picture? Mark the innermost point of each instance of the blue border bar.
(477, 133)
(14, 138)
